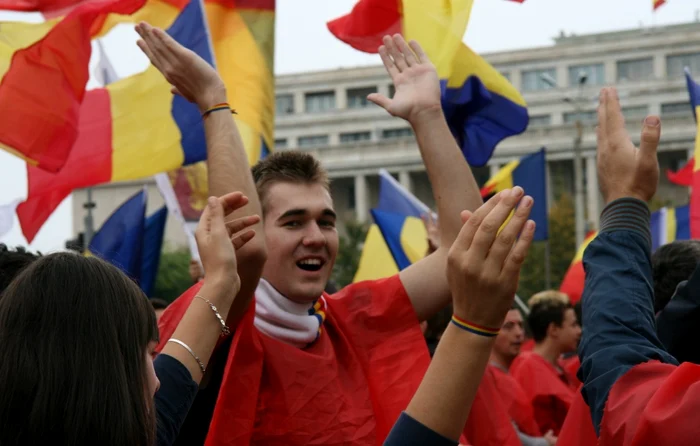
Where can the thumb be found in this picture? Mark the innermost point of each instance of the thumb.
(651, 133)
(380, 100)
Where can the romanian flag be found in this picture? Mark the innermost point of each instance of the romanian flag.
(684, 175)
(694, 92)
(656, 4)
(120, 239)
(132, 128)
(154, 230)
(668, 225)
(398, 237)
(529, 172)
(44, 71)
(575, 277)
(482, 108)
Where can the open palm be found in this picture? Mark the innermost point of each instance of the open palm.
(414, 76)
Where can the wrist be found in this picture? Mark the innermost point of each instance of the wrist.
(212, 98)
(221, 288)
(426, 115)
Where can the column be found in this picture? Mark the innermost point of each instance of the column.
(405, 180)
(341, 98)
(592, 193)
(299, 102)
(660, 66)
(361, 198)
(493, 169)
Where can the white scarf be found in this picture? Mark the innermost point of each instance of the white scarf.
(287, 321)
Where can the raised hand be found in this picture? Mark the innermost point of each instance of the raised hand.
(414, 76)
(218, 241)
(483, 265)
(191, 76)
(624, 170)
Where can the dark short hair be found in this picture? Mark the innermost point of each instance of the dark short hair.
(546, 312)
(671, 264)
(74, 333)
(12, 262)
(289, 166)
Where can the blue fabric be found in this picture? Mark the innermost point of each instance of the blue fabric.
(618, 303)
(174, 398)
(152, 246)
(531, 176)
(409, 432)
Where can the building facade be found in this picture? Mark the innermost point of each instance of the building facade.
(327, 114)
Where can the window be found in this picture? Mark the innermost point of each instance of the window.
(635, 113)
(357, 97)
(533, 79)
(392, 90)
(676, 108)
(540, 120)
(284, 104)
(676, 64)
(584, 116)
(319, 102)
(353, 137)
(281, 143)
(351, 196)
(595, 74)
(313, 141)
(635, 70)
(397, 133)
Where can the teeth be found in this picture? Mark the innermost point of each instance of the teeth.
(310, 262)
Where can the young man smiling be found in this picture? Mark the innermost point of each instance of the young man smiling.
(303, 367)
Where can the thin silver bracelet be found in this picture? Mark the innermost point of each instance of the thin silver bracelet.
(225, 331)
(187, 347)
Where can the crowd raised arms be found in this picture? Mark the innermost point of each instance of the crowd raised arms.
(257, 352)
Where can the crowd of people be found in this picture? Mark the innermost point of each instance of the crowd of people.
(259, 352)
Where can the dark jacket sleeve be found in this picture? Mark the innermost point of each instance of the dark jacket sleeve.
(409, 432)
(618, 303)
(174, 398)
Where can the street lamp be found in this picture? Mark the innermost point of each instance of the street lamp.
(579, 197)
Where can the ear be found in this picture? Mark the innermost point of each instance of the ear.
(552, 330)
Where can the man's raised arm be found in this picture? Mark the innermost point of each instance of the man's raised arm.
(417, 100)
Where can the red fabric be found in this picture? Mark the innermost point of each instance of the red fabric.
(84, 167)
(652, 404)
(41, 93)
(578, 426)
(571, 366)
(37, 5)
(367, 23)
(695, 206)
(549, 391)
(348, 388)
(527, 346)
(684, 175)
(489, 423)
(572, 284)
(515, 401)
(658, 3)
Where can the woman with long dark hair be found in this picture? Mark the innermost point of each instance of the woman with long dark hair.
(77, 339)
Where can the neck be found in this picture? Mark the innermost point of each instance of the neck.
(548, 351)
(502, 361)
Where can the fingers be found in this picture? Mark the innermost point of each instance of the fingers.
(388, 62)
(240, 240)
(211, 222)
(380, 100)
(395, 53)
(174, 90)
(601, 130)
(407, 52)
(514, 261)
(167, 45)
(472, 220)
(503, 244)
(239, 224)
(418, 50)
(649, 142)
(614, 121)
(233, 201)
(491, 224)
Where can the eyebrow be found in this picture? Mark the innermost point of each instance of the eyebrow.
(302, 212)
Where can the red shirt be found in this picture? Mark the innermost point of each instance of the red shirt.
(515, 400)
(347, 388)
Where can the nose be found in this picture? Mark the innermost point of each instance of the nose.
(314, 237)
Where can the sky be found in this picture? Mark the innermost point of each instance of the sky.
(303, 43)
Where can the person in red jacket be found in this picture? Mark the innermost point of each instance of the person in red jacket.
(540, 373)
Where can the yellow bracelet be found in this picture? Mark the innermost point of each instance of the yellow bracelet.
(217, 107)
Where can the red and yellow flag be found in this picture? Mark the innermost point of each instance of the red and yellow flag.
(657, 3)
(575, 277)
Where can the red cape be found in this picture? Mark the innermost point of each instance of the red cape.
(578, 425)
(348, 388)
(550, 392)
(515, 401)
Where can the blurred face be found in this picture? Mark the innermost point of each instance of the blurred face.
(511, 336)
(301, 238)
(151, 378)
(569, 333)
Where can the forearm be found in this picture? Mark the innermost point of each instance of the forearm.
(200, 329)
(454, 186)
(447, 391)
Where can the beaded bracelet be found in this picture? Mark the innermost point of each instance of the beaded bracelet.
(187, 347)
(217, 107)
(475, 328)
(225, 331)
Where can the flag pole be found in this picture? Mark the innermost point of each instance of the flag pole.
(523, 306)
(89, 221)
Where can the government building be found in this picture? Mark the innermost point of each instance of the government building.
(326, 113)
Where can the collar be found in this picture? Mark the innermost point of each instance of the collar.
(287, 321)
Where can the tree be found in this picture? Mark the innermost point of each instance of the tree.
(173, 277)
(349, 252)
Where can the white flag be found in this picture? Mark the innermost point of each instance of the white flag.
(168, 193)
(7, 216)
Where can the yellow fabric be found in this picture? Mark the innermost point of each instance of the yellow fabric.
(376, 261)
(17, 35)
(582, 248)
(503, 178)
(139, 150)
(155, 12)
(243, 41)
(414, 239)
(671, 224)
(438, 25)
